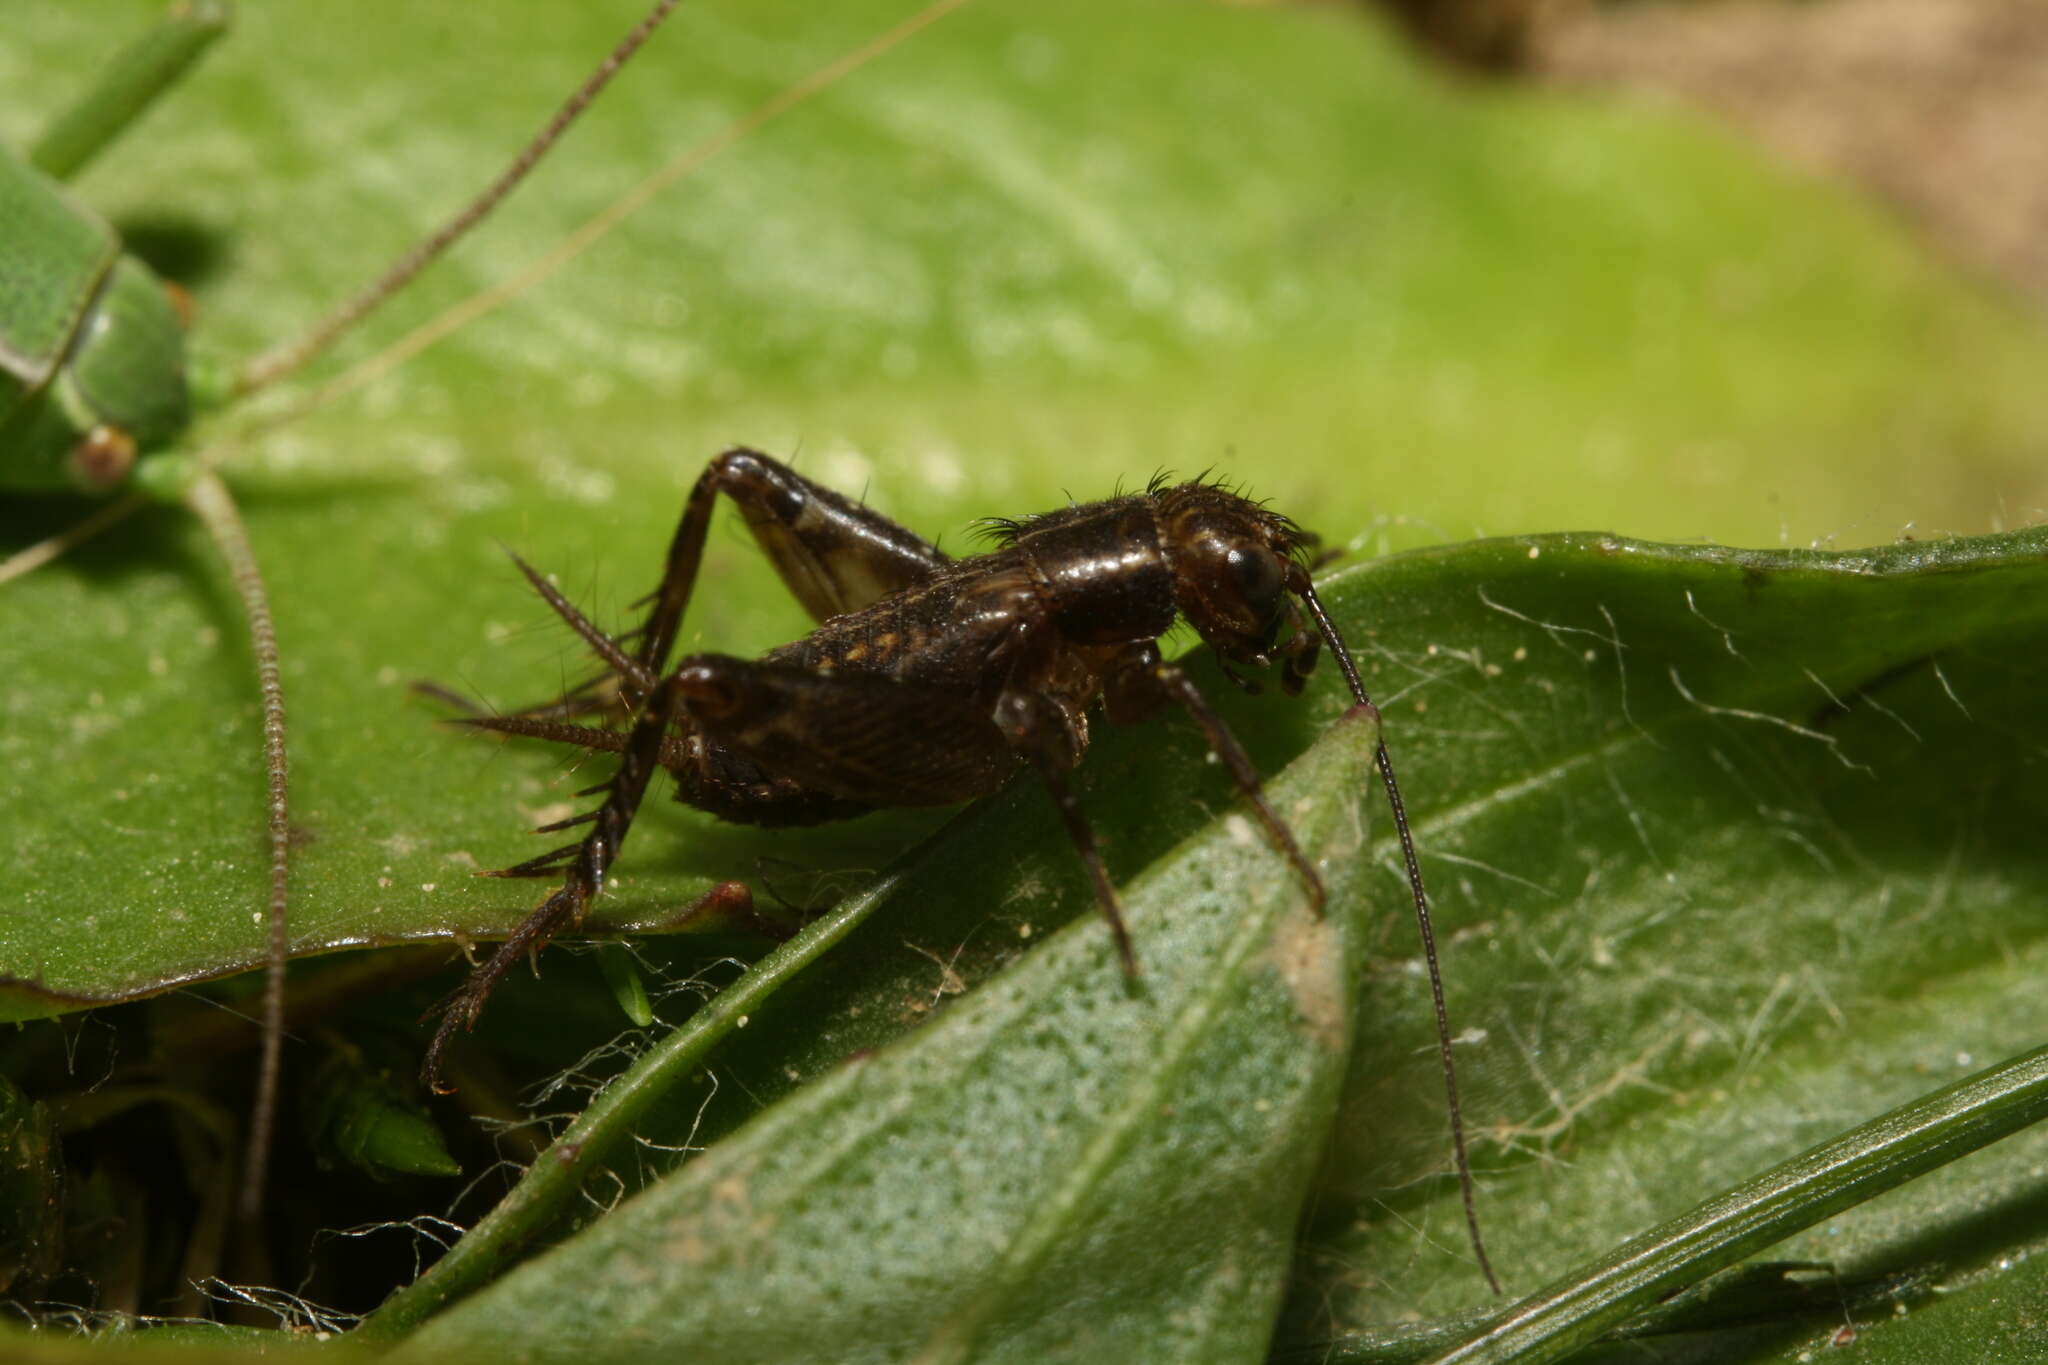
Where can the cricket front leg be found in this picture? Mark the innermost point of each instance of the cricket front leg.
(1052, 737)
(1141, 681)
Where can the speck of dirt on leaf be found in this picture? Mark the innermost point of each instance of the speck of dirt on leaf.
(734, 1194)
(689, 1248)
(549, 814)
(1310, 960)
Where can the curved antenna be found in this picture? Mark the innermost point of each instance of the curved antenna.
(211, 502)
(276, 363)
(600, 224)
(1328, 630)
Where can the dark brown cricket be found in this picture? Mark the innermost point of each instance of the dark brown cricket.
(932, 680)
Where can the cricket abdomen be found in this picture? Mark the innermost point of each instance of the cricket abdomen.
(860, 740)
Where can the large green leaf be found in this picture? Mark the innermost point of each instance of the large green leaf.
(1066, 1168)
(1044, 248)
(1797, 733)
(1744, 880)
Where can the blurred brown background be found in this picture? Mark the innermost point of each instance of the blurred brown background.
(1937, 107)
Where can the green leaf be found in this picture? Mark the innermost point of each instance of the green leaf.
(1914, 623)
(993, 267)
(1065, 1167)
(1737, 854)
(1872, 1159)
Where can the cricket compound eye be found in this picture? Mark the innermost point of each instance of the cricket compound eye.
(1260, 578)
(1231, 587)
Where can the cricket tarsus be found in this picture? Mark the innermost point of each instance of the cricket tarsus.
(930, 680)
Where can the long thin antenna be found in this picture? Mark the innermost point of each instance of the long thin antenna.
(625, 206)
(280, 361)
(1345, 662)
(285, 360)
(211, 502)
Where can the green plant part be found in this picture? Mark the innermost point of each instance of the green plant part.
(361, 1109)
(1593, 703)
(96, 395)
(92, 348)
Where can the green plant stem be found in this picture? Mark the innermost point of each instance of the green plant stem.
(551, 1182)
(1865, 1162)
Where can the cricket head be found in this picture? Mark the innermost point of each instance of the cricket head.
(1240, 573)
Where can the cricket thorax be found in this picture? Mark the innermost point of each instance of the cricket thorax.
(1099, 569)
(951, 632)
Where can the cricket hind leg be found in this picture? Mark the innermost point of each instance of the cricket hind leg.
(586, 864)
(710, 775)
(731, 731)
(834, 554)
